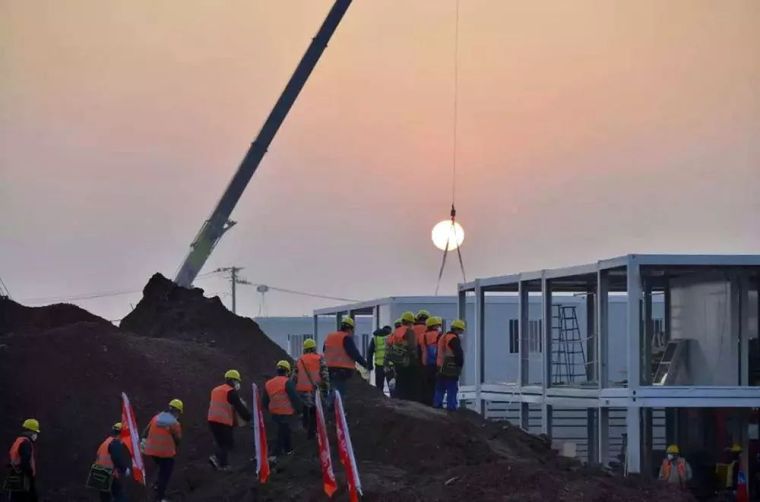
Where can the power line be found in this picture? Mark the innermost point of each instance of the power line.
(85, 296)
(4, 291)
(313, 295)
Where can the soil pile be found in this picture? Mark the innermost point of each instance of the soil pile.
(16, 318)
(177, 343)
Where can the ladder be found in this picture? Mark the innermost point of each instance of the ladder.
(567, 352)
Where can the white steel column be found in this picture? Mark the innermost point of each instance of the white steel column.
(315, 328)
(592, 435)
(479, 333)
(604, 436)
(525, 416)
(546, 316)
(633, 347)
(602, 327)
(462, 306)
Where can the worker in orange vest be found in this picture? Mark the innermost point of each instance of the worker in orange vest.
(113, 454)
(449, 362)
(311, 375)
(681, 474)
(429, 356)
(403, 354)
(282, 401)
(23, 463)
(161, 437)
(223, 410)
(419, 328)
(341, 356)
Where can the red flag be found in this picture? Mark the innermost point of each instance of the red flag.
(328, 476)
(741, 487)
(260, 438)
(131, 438)
(347, 451)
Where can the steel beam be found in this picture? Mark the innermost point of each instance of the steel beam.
(523, 310)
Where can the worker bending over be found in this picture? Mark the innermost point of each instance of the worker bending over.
(282, 401)
(223, 411)
(429, 357)
(376, 355)
(403, 353)
(341, 356)
(112, 454)
(161, 438)
(674, 468)
(311, 375)
(449, 362)
(23, 463)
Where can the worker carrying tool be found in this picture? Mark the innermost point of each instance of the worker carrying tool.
(223, 411)
(429, 356)
(376, 355)
(674, 468)
(161, 438)
(730, 476)
(21, 480)
(341, 356)
(282, 401)
(111, 468)
(449, 362)
(403, 354)
(311, 375)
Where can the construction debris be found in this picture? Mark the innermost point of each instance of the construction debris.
(178, 343)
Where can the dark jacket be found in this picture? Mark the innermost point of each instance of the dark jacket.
(456, 347)
(119, 456)
(234, 399)
(25, 451)
(290, 388)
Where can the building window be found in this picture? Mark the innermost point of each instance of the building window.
(514, 337)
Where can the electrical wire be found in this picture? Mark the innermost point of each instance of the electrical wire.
(85, 296)
(5, 288)
(455, 124)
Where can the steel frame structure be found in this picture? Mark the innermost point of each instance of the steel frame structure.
(620, 274)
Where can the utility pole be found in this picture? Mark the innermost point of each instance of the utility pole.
(234, 281)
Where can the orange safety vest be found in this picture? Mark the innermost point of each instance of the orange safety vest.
(428, 339)
(443, 348)
(399, 336)
(419, 333)
(308, 372)
(219, 409)
(160, 442)
(16, 455)
(103, 458)
(335, 355)
(667, 466)
(279, 401)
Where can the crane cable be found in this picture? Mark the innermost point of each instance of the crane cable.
(454, 135)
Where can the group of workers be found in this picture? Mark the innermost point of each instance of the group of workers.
(677, 471)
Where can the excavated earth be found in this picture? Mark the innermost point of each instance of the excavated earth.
(67, 368)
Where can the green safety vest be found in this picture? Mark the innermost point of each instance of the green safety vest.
(380, 350)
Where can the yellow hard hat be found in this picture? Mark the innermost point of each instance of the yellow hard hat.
(309, 343)
(673, 450)
(31, 424)
(177, 405)
(433, 321)
(232, 375)
(397, 321)
(117, 426)
(348, 321)
(736, 448)
(422, 315)
(458, 324)
(407, 317)
(283, 364)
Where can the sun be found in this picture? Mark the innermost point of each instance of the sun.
(448, 231)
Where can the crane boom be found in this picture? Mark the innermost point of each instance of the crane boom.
(218, 223)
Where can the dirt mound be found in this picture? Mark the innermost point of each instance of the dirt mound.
(17, 318)
(180, 345)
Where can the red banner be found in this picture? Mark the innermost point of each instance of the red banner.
(325, 459)
(130, 436)
(260, 438)
(347, 451)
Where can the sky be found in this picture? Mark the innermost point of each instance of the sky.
(586, 130)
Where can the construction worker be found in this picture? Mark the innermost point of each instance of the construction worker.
(311, 375)
(397, 323)
(23, 463)
(403, 354)
(113, 454)
(341, 356)
(733, 470)
(429, 357)
(282, 401)
(376, 355)
(449, 362)
(161, 437)
(419, 329)
(681, 474)
(223, 411)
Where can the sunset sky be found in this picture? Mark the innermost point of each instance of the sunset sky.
(587, 129)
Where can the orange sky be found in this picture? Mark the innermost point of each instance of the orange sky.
(587, 129)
